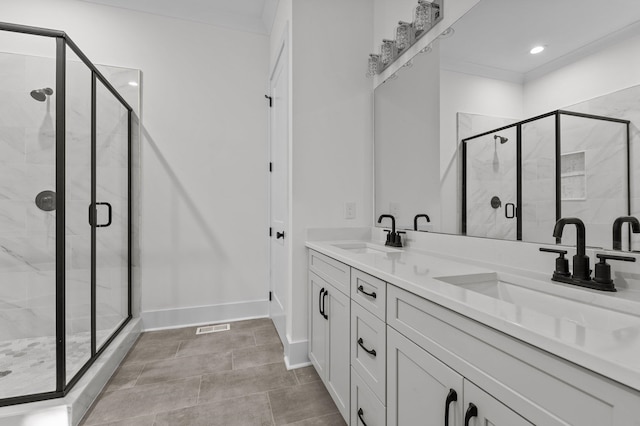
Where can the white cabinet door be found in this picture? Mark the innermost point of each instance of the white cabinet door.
(482, 409)
(317, 324)
(419, 386)
(337, 309)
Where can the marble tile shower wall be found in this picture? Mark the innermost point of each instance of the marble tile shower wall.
(27, 166)
(622, 104)
(491, 169)
(596, 194)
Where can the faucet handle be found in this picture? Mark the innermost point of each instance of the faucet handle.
(603, 269)
(562, 264)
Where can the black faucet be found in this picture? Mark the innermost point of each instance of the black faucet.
(415, 220)
(617, 229)
(393, 237)
(581, 269)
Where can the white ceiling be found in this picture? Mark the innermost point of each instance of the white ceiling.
(496, 35)
(245, 15)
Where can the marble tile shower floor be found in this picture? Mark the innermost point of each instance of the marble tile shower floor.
(28, 366)
(235, 377)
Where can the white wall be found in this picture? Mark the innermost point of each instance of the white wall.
(614, 68)
(204, 151)
(330, 126)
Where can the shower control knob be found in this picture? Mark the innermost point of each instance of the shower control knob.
(279, 235)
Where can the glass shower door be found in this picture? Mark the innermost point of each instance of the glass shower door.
(491, 185)
(112, 214)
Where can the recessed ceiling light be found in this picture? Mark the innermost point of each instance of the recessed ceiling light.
(536, 50)
(133, 83)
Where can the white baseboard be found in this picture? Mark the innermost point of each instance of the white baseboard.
(297, 354)
(199, 315)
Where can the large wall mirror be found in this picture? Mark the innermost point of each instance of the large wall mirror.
(490, 140)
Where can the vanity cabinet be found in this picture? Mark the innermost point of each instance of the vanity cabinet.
(329, 345)
(423, 390)
(426, 353)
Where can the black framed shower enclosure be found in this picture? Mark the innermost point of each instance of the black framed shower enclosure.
(518, 126)
(63, 383)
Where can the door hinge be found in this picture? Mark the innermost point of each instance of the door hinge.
(270, 167)
(270, 296)
(270, 232)
(270, 100)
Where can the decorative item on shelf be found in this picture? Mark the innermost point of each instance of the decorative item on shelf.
(374, 64)
(426, 15)
(404, 35)
(388, 51)
(423, 17)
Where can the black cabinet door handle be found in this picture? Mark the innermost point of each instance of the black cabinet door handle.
(472, 411)
(360, 414)
(361, 290)
(320, 301)
(324, 312)
(451, 397)
(369, 351)
(279, 235)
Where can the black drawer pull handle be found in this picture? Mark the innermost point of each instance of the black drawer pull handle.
(361, 290)
(472, 411)
(324, 306)
(369, 351)
(360, 414)
(320, 302)
(451, 397)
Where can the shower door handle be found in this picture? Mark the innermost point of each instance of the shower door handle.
(513, 213)
(109, 212)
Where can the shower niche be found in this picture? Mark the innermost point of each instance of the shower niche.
(65, 212)
(559, 164)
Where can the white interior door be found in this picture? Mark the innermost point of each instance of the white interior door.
(279, 214)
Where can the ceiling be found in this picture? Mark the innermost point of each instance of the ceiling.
(255, 16)
(496, 35)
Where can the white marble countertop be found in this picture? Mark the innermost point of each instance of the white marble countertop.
(586, 327)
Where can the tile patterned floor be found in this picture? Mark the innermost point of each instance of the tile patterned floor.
(235, 377)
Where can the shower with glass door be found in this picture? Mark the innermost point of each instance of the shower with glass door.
(65, 214)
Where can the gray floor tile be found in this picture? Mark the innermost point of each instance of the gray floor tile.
(124, 377)
(252, 324)
(181, 368)
(301, 402)
(330, 420)
(216, 342)
(267, 336)
(231, 384)
(144, 400)
(257, 355)
(246, 411)
(135, 421)
(168, 335)
(306, 374)
(143, 352)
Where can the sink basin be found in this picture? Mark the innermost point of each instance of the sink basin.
(362, 247)
(526, 299)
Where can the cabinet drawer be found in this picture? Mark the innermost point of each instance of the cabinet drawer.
(369, 349)
(370, 292)
(365, 406)
(336, 273)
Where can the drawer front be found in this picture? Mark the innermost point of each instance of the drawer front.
(336, 273)
(370, 292)
(365, 406)
(369, 349)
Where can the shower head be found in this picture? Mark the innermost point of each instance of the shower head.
(502, 139)
(40, 95)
